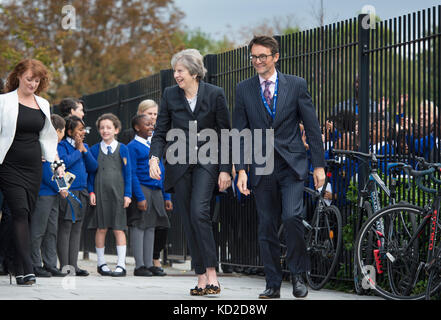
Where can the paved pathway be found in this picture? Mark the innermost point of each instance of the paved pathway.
(174, 286)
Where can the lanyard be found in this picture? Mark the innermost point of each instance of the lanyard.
(71, 206)
(276, 90)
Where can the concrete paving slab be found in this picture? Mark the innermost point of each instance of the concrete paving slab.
(174, 286)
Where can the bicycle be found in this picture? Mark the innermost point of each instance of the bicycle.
(398, 247)
(368, 200)
(323, 237)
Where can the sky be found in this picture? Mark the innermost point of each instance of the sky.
(225, 17)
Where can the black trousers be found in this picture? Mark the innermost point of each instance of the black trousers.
(279, 198)
(193, 194)
(160, 241)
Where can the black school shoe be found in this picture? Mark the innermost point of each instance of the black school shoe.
(81, 273)
(100, 270)
(119, 272)
(142, 272)
(42, 273)
(55, 272)
(157, 272)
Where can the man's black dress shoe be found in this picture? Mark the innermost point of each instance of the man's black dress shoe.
(40, 272)
(299, 289)
(55, 272)
(270, 293)
(81, 273)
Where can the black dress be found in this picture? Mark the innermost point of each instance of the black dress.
(21, 170)
(20, 178)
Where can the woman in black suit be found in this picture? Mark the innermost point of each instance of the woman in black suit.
(189, 107)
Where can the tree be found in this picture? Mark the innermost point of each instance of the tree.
(278, 25)
(114, 42)
(202, 41)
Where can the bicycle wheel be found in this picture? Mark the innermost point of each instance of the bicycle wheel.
(395, 248)
(399, 275)
(366, 212)
(433, 291)
(323, 245)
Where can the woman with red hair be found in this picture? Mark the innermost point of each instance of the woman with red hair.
(26, 136)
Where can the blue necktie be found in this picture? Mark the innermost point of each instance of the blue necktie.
(109, 150)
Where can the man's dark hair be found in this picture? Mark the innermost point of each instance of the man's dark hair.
(2, 86)
(66, 105)
(268, 42)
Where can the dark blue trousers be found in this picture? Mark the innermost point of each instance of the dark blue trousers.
(193, 194)
(279, 198)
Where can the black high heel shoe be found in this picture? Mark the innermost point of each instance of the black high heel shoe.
(18, 280)
(28, 279)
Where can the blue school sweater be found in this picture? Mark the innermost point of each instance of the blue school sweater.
(126, 169)
(78, 163)
(48, 187)
(139, 160)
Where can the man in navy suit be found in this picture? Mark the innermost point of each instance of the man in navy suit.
(273, 100)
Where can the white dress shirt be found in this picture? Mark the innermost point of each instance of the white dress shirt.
(192, 103)
(113, 145)
(272, 86)
(71, 141)
(142, 140)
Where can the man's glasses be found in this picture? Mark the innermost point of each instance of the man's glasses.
(262, 57)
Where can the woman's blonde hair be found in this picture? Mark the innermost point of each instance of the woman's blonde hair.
(145, 105)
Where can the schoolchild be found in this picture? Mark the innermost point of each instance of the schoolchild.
(111, 192)
(148, 209)
(81, 163)
(44, 220)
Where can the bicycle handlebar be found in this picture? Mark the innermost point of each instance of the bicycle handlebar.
(370, 155)
(419, 175)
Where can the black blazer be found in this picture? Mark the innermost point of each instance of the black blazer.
(211, 112)
(294, 104)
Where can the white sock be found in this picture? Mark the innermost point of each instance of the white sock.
(121, 251)
(100, 258)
